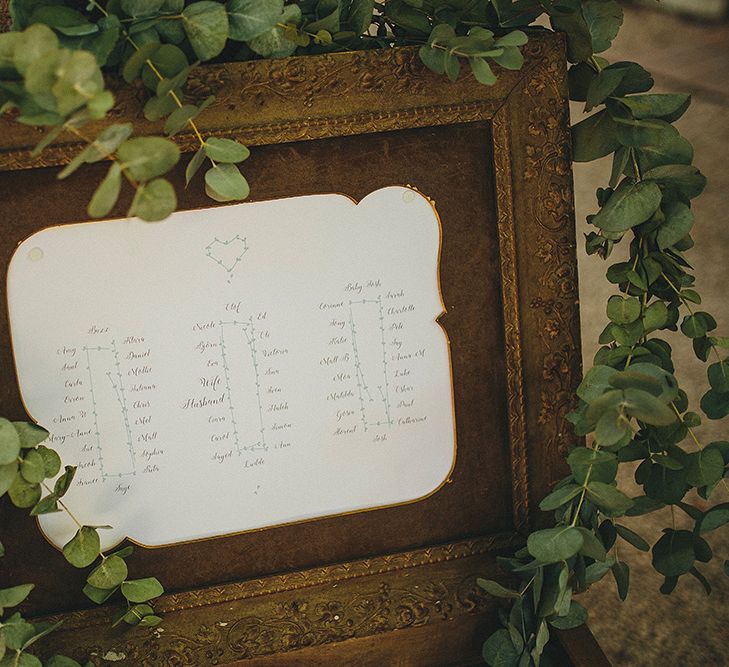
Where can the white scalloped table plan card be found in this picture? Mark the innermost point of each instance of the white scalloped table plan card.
(238, 367)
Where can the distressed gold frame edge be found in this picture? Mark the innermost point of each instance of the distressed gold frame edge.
(496, 112)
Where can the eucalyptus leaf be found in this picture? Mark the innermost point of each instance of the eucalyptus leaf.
(603, 19)
(133, 66)
(251, 18)
(63, 483)
(632, 538)
(109, 574)
(630, 205)
(24, 494)
(224, 182)
(84, 548)
(194, 165)
(148, 157)
(154, 200)
(8, 471)
(678, 223)
(274, 43)
(552, 545)
(206, 26)
(559, 497)
(179, 118)
(621, 573)
(225, 150)
(714, 517)
(12, 597)
(482, 71)
(594, 137)
(668, 106)
(499, 651)
(107, 193)
(98, 595)
(576, 617)
(673, 554)
(608, 498)
(9, 442)
(141, 590)
(496, 589)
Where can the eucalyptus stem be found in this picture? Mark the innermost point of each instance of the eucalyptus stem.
(107, 154)
(157, 73)
(65, 507)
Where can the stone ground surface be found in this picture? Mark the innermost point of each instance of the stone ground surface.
(686, 628)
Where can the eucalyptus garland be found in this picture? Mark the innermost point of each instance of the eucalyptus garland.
(629, 405)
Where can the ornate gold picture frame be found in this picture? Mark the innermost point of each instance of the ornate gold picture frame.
(394, 586)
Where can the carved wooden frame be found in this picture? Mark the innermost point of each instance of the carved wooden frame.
(337, 614)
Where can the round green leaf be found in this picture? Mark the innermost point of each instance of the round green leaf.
(602, 465)
(148, 157)
(680, 180)
(84, 548)
(30, 434)
(137, 8)
(7, 475)
(206, 26)
(109, 574)
(12, 597)
(482, 71)
(673, 554)
(154, 201)
(274, 43)
(224, 182)
(142, 590)
(594, 137)
(693, 326)
(251, 18)
(705, 467)
(608, 498)
(623, 310)
(9, 442)
(554, 544)
(51, 461)
(714, 517)
(98, 595)
(133, 67)
(149, 621)
(171, 62)
(499, 651)
(576, 616)
(647, 408)
(630, 205)
(655, 316)
(179, 118)
(719, 376)
(24, 494)
(225, 150)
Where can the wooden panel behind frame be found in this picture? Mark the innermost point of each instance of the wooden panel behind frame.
(409, 595)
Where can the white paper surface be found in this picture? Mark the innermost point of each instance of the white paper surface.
(237, 367)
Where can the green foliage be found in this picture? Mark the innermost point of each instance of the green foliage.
(629, 405)
(24, 479)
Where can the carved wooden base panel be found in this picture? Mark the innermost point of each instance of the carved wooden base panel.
(284, 613)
